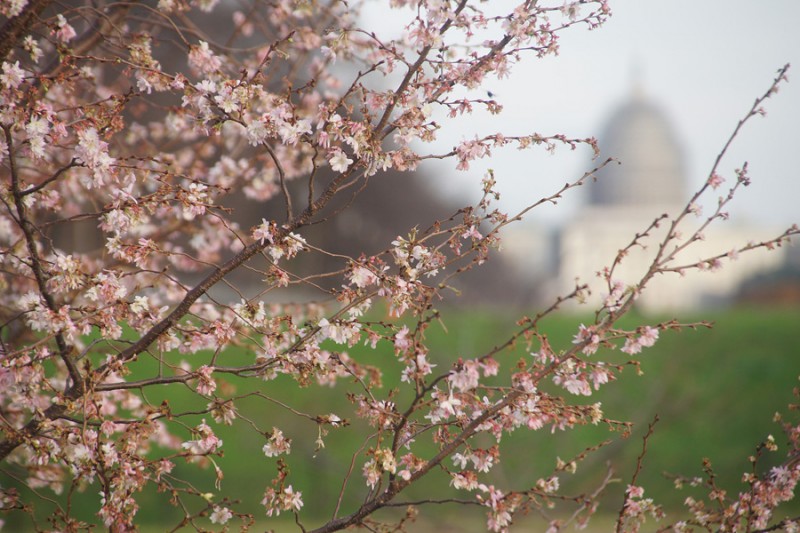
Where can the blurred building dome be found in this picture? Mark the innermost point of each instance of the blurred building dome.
(651, 169)
(627, 198)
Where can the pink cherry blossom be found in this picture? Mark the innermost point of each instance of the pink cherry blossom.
(340, 162)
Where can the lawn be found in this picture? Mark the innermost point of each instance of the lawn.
(715, 392)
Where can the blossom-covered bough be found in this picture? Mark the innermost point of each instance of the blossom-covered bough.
(126, 129)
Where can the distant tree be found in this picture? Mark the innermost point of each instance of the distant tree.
(127, 130)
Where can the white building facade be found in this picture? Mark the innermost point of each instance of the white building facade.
(627, 197)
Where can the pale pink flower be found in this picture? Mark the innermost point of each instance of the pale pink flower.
(335, 332)
(67, 274)
(206, 442)
(465, 379)
(362, 276)
(468, 151)
(203, 59)
(221, 515)
(263, 232)
(286, 500)
(339, 161)
(599, 377)
(229, 98)
(328, 53)
(424, 367)
(634, 491)
(292, 499)
(386, 460)
(464, 480)
(12, 75)
(108, 427)
(257, 132)
(65, 31)
(632, 346)
(32, 47)
(571, 10)
(482, 461)
(194, 200)
(460, 459)
(294, 243)
(206, 5)
(371, 472)
(206, 87)
(109, 454)
(277, 444)
(587, 334)
(549, 485)
(106, 288)
(291, 132)
(472, 233)
(715, 180)
(12, 8)
(93, 152)
(323, 139)
(499, 521)
(450, 405)
(222, 412)
(577, 386)
(402, 342)
(614, 299)
(206, 384)
(649, 336)
(490, 367)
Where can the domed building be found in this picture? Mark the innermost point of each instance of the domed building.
(648, 180)
(651, 172)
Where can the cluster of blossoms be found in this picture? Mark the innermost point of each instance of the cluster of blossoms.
(277, 444)
(755, 507)
(646, 339)
(637, 508)
(205, 443)
(286, 499)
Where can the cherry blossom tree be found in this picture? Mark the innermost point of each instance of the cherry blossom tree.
(128, 127)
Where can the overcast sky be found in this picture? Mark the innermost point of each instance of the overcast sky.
(702, 62)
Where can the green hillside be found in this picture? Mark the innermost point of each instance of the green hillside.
(714, 390)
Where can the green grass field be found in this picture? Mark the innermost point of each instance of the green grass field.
(715, 392)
